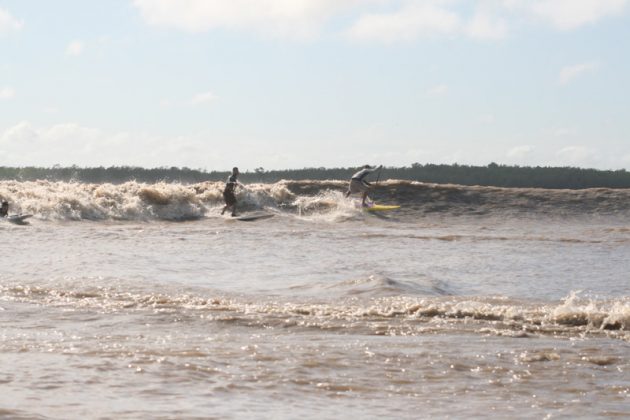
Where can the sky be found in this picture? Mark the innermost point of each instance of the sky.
(287, 84)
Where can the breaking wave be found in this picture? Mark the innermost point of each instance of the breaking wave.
(48, 200)
(573, 316)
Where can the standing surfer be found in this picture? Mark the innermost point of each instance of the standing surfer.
(358, 184)
(229, 195)
(4, 210)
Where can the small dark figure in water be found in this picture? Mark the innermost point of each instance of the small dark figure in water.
(4, 210)
(358, 184)
(229, 193)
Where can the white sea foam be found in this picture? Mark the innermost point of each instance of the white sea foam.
(325, 199)
(573, 316)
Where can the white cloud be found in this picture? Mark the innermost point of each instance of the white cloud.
(7, 93)
(75, 48)
(438, 90)
(569, 73)
(486, 26)
(8, 23)
(375, 20)
(432, 18)
(17, 135)
(576, 155)
(302, 18)
(407, 24)
(203, 98)
(70, 143)
(520, 152)
(571, 14)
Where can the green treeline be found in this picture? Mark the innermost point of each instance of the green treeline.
(491, 175)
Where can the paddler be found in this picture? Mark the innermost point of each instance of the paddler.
(229, 192)
(358, 184)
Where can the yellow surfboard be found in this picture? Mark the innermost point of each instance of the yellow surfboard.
(380, 207)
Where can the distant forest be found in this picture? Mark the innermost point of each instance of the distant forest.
(491, 175)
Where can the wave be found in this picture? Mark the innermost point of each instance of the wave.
(49, 200)
(573, 316)
(379, 286)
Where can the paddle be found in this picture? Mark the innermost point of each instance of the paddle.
(378, 177)
(379, 174)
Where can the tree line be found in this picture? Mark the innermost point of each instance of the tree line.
(490, 175)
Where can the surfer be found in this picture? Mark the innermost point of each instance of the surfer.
(358, 184)
(229, 195)
(4, 210)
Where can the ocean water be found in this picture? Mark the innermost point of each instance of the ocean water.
(142, 301)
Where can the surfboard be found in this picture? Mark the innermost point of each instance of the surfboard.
(380, 207)
(17, 218)
(254, 216)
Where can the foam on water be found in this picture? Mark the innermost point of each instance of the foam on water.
(174, 201)
(405, 314)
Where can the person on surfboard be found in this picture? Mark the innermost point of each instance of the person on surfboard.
(4, 210)
(229, 195)
(358, 184)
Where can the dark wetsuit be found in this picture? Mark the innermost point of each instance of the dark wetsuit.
(229, 192)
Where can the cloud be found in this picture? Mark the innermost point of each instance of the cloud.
(69, 143)
(203, 98)
(520, 152)
(8, 23)
(407, 24)
(75, 48)
(17, 135)
(385, 21)
(570, 73)
(438, 90)
(571, 14)
(405, 20)
(576, 155)
(485, 26)
(7, 93)
(484, 20)
(301, 18)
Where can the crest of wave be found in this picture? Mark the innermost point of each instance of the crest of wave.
(311, 199)
(133, 200)
(327, 205)
(128, 201)
(578, 310)
(257, 195)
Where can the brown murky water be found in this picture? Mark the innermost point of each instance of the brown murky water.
(321, 311)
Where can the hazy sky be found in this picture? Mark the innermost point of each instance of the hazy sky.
(307, 83)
